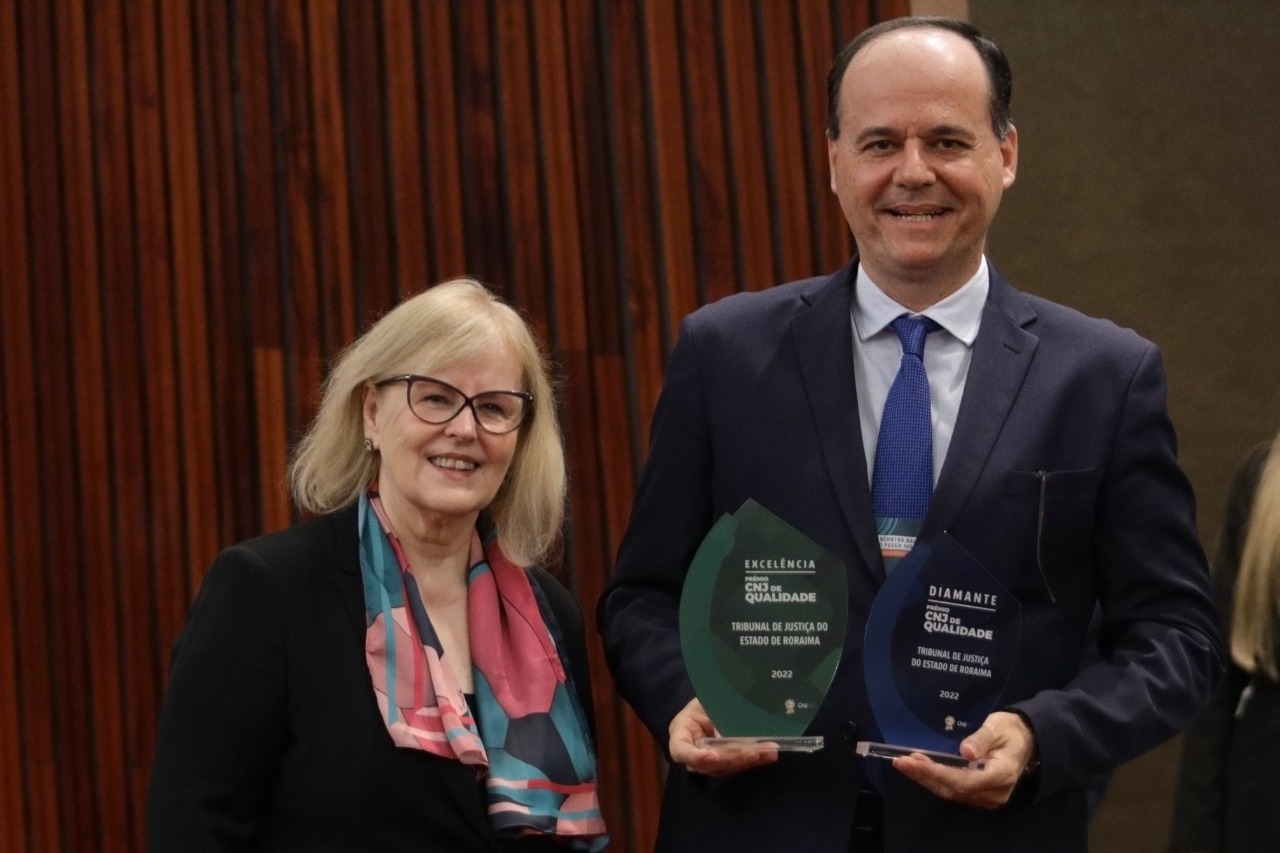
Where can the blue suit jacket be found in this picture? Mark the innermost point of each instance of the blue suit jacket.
(759, 401)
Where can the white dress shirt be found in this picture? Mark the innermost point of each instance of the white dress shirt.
(877, 353)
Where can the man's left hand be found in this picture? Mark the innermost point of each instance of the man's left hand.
(1006, 744)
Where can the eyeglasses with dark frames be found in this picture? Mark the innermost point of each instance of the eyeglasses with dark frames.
(436, 402)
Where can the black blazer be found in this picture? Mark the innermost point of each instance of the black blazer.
(270, 737)
(1226, 797)
(759, 401)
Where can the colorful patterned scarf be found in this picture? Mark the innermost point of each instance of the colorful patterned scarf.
(531, 735)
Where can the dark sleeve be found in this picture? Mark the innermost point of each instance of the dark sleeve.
(1158, 638)
(568, 616)
(222, 728)
(1198, 803)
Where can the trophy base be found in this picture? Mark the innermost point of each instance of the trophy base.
(730, 745)
(890, 751)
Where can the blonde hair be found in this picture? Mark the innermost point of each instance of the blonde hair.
(446, 324)
(1256, 611)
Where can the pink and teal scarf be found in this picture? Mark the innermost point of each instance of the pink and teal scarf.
(528, 738)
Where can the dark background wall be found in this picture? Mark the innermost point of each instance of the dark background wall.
(1148, 192)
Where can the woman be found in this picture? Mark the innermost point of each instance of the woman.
(1226, 794)
(386, 676)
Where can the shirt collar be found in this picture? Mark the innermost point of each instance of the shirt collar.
(960, 313)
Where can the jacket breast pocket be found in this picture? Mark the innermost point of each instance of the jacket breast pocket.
(1053, 514)
(1079, 480)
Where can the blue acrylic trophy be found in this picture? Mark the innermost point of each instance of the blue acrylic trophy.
(940, 642)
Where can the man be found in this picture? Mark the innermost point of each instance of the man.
(1053, 464)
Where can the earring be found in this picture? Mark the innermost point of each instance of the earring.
(368, 446)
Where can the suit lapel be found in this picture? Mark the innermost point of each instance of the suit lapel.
(823, 339)
(344, 564)
(1002, 353)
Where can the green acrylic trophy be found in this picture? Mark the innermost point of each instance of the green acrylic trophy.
(762, 624)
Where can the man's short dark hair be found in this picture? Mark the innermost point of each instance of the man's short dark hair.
(999, 74)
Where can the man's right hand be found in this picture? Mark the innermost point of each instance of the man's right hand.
(693, 723)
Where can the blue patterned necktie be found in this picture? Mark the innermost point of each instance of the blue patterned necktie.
(902, 482)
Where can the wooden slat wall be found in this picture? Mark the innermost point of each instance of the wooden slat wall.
(202, 200)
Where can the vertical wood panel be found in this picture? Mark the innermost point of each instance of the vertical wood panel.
(14, 285)
(832, 241)
(334, 283)
(89, 399)
(372, 232)
(201, 202)
(627, 312)
(709, 155)
(12, 775)
(408, 204)
(66, 678)
(305, 366)
(29, 797)
(157, 374)
(12, 765)
(673, 204)
(185, 202)
(517, 141)
(741, 69)
(128, 563)
(152, 615)
(231, 390)
(31, 605)
(790, 190)
(630, 313)
(471, 25)
(440, 138)
(265, 276)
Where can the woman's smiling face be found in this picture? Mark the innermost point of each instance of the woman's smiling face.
(444, 472)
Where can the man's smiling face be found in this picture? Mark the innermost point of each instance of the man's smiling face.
(917, 166)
